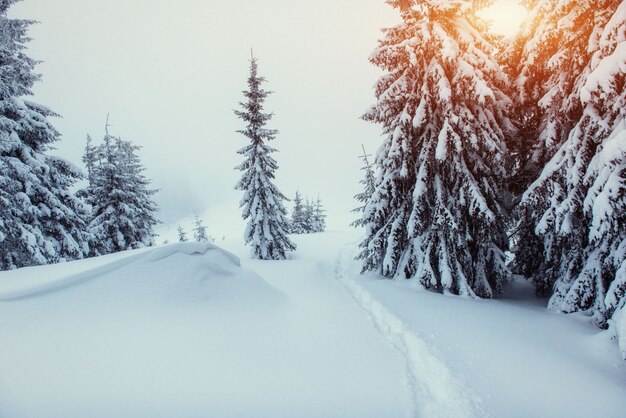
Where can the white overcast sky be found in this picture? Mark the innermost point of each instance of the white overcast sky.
(171, 72)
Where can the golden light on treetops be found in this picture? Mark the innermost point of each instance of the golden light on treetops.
(506, 16)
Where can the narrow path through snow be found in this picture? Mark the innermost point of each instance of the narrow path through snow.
(435, 392)
(347, 350)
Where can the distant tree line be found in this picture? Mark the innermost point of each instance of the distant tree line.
(307, 217)
(200, 233)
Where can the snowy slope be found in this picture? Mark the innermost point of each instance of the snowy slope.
(183, 330)
(519, 359)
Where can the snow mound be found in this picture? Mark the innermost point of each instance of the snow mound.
(190, 248)
(167, 331)
(40, 280)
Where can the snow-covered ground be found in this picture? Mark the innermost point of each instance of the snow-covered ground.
(517, 358)
(620, 330)
(185, 330)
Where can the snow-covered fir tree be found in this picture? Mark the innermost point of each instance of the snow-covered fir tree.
(437, 212)
(546, 61)
(123, 211)
(369, 185)
(318, 222)
(549, 62)
(199, 230)
(182, 235)
(579, 199)
(298, 223)
(262, 202)
(41, 221)
(309, 216)
(90, 159)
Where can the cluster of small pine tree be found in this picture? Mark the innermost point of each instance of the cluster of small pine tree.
(307, 216)
(488, 151)
(200, 233)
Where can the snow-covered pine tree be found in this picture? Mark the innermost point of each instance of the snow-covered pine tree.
(437, 213)
(369, 185)
(41, 221)
(549, 61)
(545, 61)
(123, 212)
(582, 190)
(309, 216)
(262, 202)
(199, 230)
(182, 235)
(298, 221)
(90, 159)
(319, 216)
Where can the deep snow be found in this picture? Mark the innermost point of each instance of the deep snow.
(517, 358)
(184, 330)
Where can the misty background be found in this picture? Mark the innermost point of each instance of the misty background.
(170, 75)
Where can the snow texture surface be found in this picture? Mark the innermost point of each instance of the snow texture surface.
(183, 330)
(190, 330)
(620, 321)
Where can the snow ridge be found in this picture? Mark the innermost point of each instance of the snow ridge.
(434, 390)
(19, 292)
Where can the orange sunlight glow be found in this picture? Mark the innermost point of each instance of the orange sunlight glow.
(506, 16)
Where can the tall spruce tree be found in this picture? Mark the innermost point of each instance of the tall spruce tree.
(578, 203)
(437, 211)
(262, 202)
(41, 221)
(546, 60)
(549, 61)
(298, 220)
(369, 185)
(123, 212)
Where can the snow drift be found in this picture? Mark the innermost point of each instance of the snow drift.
(118, 335)
(34, 281)
(185, 330)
